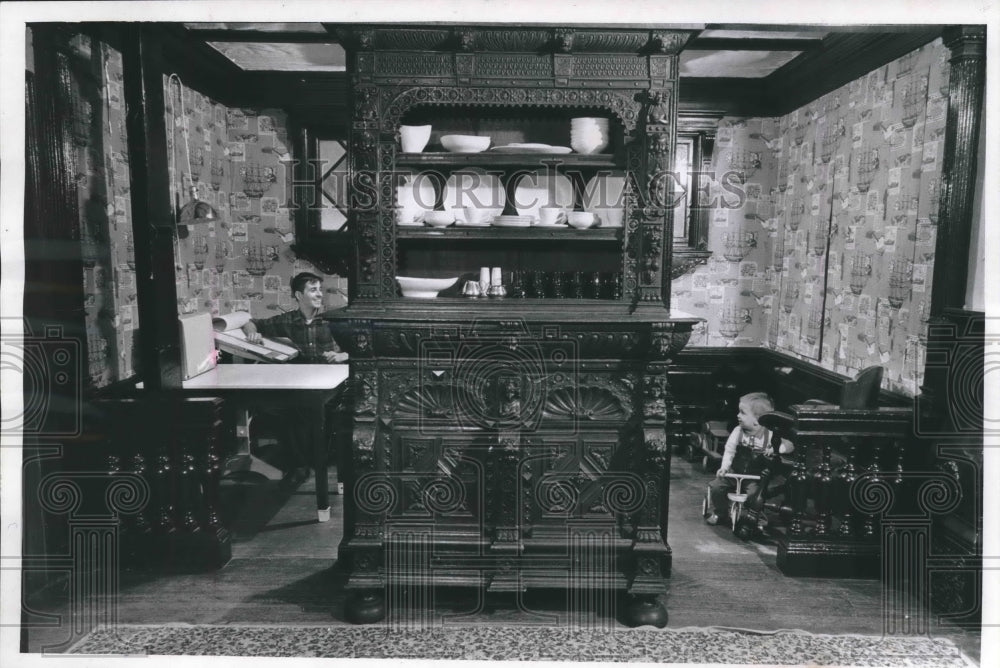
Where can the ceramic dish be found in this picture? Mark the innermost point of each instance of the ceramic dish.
(514, 221)
(465, 143)
(414, 198)
(540, 189)
(424, 288)
(604, 195)
(583, 220)
(473, 187)
(532, 148)
(439, 218)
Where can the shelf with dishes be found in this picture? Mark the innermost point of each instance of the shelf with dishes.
(470, 138)
(472, 200)
(528, 233)
(494, 158)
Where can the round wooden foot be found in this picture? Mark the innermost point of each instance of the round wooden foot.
(646, 610)
(366, 607)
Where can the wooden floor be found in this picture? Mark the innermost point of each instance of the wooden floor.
(280, 573)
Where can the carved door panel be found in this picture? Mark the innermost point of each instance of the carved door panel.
(437, 477)
(582, 480)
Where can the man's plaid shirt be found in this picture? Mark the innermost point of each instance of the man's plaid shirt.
(312, 340)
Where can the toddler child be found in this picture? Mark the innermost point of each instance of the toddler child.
(747, 444)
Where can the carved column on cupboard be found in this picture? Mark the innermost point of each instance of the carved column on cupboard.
(518, 442)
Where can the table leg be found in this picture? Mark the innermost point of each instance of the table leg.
(320, 447)
(243, 459)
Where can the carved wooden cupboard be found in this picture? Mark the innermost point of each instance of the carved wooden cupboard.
(516, 442)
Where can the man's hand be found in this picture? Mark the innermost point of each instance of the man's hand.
(721, 472)
(253, 336)
(332, 357)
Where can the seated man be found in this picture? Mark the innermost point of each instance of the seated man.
(311, 335)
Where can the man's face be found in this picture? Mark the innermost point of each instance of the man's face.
(312, 297)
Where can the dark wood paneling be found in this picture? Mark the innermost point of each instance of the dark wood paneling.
(787, 379)
(723, 96)
(317, 100)
(960, 163)
(747, 44)
(153, 224)
(843, 58)
(277, 37)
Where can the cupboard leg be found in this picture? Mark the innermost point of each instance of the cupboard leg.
(366, 607)
(646, 610)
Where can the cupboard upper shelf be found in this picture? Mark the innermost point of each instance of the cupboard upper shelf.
(512, 233)
(487, 159)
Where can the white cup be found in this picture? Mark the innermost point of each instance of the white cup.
(475, 216)
(413, 138)
(550, 215)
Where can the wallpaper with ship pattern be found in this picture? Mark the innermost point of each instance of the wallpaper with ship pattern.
(830, 254)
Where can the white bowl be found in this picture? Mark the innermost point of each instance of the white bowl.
(424, 288)
(589, 123)
(439, 218)
(581, 220)
(465, 143)
(413, 138)
(587, 145)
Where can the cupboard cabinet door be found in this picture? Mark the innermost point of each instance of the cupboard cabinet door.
(436, 478)
(584, 480)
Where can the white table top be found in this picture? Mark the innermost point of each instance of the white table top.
(269, 377)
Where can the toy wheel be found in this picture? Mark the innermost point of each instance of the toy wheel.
(743, 532)
(743, 525)
(704, 505)
(734, 515)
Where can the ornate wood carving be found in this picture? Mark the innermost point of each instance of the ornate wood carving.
(397, 101)
(564, 40)
(554, 418)
(363, 446)
(666, 340)
(590, 397)
(417, 39)
(586, 403)
(669, 42)
(364, 385)
(504, 484)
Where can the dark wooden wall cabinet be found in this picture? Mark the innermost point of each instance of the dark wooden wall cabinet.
(516, 442)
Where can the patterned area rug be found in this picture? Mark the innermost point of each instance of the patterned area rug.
(527, 643)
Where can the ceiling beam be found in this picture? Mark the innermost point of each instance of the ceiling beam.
(198, 65)
(821, 27)
(266, 36)
(751, 44)
(843, 58)
(722, 96)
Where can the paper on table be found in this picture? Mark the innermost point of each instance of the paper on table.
(231, 339)
(198, 350)
(234, 320)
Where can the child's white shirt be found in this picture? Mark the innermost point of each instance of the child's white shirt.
(759, 444)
